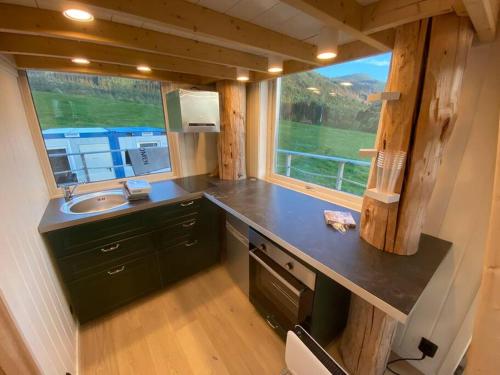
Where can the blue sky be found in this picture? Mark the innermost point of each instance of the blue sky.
(375, 66)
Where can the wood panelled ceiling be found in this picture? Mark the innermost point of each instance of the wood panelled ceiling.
(201, 41)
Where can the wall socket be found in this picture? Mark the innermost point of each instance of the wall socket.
(427, 347)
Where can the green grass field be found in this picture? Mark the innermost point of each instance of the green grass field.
(322, 140)
(56, 110)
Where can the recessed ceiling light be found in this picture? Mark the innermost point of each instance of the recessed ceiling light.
(242, 75)
(80, 60)
(144, 68)
(327, 43)
(275, 64)
(326, 55)
(275, 70)
(78, 15)
(346, 83)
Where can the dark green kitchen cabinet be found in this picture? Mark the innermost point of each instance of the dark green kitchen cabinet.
(183, 253)
(109, 263)
(103, 291)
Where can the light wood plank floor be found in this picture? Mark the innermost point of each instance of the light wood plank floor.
(203, 325)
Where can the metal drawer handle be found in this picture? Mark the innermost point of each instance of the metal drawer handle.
(190, 224)
(273, 326)
(192, 243)
(187, 204)
(111, 248)
(118, 270)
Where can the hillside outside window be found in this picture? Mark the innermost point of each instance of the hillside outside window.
(99, 128)
(325, 118)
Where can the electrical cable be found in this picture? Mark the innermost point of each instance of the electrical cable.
(402, 359)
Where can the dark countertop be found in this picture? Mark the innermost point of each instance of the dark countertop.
(162, 193)
(295, 221)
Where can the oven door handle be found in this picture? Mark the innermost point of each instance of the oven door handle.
(275, 274)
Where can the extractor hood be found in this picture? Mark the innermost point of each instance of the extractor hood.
(193, 111)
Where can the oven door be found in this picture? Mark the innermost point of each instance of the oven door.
(282, 299)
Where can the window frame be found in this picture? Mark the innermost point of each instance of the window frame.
(341, 198)
(37, 137)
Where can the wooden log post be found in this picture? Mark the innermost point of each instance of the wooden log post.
(366, 342)
(378, 220)
(450, 41)
(231, 143)
(419, 123)
(433, 53)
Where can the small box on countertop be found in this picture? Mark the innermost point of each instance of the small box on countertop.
(136, 189)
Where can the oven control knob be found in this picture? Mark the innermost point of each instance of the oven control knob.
(289, 265)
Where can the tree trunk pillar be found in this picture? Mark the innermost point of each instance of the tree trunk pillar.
(231, 143)
(427, 68)
(367, 339)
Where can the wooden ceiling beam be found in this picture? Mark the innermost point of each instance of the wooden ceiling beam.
(386, 14)
(363, 21)
(64, 65)
(347, 52)
(343, 15)
(54, 47)
(484, 17)
(191, 17)
(28, 20)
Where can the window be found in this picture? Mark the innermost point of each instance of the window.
(325, 118)
(99, 128)
(59, 162)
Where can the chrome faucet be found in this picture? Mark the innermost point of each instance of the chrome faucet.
(69, 190)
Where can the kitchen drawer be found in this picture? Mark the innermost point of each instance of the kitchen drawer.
(175, 231)
(103, 291)
(167, 215)
(82, 237)
(185, 259)
(102, 257)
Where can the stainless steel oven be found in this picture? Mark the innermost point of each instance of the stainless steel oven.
(281, 288)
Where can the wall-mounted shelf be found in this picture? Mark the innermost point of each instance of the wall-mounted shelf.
(386, 95)
(382, 197)
(368, 152)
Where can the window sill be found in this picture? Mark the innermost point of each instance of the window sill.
(92, 187)
(347, 200)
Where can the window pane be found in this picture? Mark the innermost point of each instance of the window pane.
(100, 128)
(325, 118)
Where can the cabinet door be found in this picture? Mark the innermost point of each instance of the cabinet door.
(186, 259)
(103, 291)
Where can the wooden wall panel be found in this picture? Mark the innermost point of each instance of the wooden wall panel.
(31, 288)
